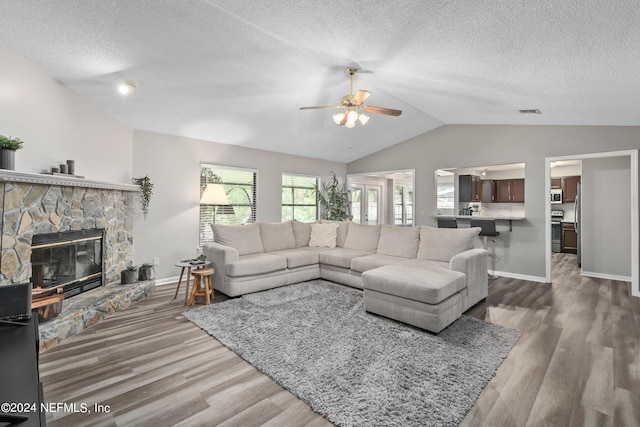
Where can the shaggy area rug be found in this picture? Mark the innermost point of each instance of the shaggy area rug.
(355, 368)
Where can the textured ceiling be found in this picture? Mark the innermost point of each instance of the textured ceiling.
(236, 71)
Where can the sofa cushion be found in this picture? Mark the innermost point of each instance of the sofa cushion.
(342, 230)
(428, 285)
(245, 239)
(399, 241)
(249, 265)
(340, 257)
(323, 235)
(277, 236)
(362, 237)
(441, 244)
(299, 257)
(301, 232)
(369, 262)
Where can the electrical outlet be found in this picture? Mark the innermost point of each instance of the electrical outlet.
(156, 261)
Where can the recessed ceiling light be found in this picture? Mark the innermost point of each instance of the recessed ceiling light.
(536, 111)
(127, 88)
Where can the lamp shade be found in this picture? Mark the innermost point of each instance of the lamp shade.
(214, 195)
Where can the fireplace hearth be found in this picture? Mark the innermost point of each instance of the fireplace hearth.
(70, 260)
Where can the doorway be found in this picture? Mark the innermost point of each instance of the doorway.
(365, 203)
(591, 241)
(382, 197)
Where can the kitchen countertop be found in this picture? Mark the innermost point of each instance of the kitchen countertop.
(496, 217)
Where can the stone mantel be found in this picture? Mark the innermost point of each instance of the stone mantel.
(61, 180)
(39, 203)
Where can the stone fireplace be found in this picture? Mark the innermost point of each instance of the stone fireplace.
(38, 204)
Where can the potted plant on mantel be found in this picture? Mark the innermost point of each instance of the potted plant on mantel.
(8, 147)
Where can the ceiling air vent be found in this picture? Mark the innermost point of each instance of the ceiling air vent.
(536, 111)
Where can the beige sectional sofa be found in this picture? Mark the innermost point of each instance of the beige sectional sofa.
(423, 276)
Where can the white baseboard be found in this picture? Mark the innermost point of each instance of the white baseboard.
(605, 276)
(167, 281)
(510, 275)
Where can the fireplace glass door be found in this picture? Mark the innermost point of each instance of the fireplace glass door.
(72, 261)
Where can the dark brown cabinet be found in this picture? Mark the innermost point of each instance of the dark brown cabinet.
(487, 192)
(570, 188)
(469, 187)
(509, 190)
(569, 238)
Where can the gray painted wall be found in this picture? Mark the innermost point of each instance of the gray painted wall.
(57, 124)
(606, 216)
(522, 251)
(170, 231)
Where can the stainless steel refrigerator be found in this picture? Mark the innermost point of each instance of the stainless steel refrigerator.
(577, 219)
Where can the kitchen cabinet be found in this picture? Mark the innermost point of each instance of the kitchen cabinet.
(469, 187)
(556, 183)
(509, 190)
(569, 238)
(570, 188)
(487, 192)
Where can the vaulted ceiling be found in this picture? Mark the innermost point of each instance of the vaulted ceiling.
(236, 71)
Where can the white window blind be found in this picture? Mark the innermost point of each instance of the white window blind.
(239, 186)
(299, 198)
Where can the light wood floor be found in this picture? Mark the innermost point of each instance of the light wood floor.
(576, 364)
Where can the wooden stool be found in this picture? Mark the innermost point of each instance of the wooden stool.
(202, 285)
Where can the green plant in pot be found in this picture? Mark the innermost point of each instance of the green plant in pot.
(146, 272)
(146, 190)
(333, 199)
(129, 275)
(8, 147)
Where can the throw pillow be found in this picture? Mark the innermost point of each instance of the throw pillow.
(342, 231)
(277, 236)
(362, 237)
(301, 232)
(399, 241)
(323, 235)
(245, 239)
(441, 244)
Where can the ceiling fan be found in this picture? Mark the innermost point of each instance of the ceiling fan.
(352, 103)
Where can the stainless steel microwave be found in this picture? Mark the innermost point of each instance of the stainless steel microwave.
(556, 196)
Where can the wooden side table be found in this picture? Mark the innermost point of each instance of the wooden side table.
(188, 265)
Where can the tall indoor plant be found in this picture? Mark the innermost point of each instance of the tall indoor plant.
(333, 199)
(8, 147)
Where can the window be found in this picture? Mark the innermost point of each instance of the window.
(240, 188)
(403, 204)
(299, 198)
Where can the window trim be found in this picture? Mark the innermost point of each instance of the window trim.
(293, 205)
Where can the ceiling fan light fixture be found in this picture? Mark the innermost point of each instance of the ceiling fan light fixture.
(363, 119)
(338, 118)
(352, 116)
(350, 124)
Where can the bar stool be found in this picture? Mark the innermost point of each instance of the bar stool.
(488, 227)
(202, 285)
(447, 223)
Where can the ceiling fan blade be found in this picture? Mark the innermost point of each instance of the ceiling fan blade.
(360, 96)
(344, 120)
(327, 106)
(381, 110)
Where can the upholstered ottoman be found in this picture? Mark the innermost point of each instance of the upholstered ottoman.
(429, 299)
